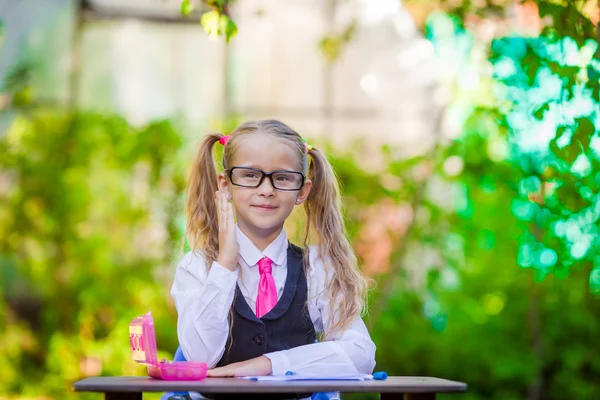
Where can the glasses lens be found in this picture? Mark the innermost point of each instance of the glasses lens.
(287, 180)
(281, 180)
(245, 177)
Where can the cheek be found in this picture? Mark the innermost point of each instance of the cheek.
(241, 196)
(290, 200)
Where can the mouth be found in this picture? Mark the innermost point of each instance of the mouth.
(265, 207)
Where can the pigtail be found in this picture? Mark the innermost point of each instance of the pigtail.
(347, 288)
(202, 227)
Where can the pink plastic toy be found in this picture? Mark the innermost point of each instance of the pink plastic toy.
(142, 339)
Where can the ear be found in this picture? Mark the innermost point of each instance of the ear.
(223, 183)
(303, 194)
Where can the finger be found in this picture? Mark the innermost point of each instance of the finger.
(218, 372)
(230, 221)
(212, 373)
(224, 211)
(218, 207)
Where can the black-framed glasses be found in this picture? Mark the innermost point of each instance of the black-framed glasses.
(253, 177)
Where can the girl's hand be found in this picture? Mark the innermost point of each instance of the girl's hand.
(228, 245)
(255, 366)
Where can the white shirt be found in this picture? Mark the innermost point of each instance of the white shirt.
(203, 300)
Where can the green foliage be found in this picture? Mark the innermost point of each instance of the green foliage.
(87, 238)
(568, 19)
(461, 308)
(216, 20)
(332, 45)
(547, 85)
(500, 328)
(186, 7)
(216, 24)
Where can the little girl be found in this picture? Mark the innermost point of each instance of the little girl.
(250, 302)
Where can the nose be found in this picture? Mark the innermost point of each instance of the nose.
(266, 187)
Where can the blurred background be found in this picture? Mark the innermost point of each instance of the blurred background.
(466, 136)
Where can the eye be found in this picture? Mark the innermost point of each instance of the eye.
(282, 178)
(250, 175)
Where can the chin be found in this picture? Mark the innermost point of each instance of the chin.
(261, 223)
(265, 222)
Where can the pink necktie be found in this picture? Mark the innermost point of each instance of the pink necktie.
(267, 293)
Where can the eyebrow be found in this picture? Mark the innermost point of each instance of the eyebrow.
(276, 169)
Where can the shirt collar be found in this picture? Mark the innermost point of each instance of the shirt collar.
(276, 250)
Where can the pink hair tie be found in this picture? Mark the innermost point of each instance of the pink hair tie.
(224, 139)
(307, 147)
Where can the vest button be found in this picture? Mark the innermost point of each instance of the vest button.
(259, 340)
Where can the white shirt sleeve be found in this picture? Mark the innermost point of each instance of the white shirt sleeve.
(203, 299)
(349, 352)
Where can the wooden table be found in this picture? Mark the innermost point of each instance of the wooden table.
(393, 388)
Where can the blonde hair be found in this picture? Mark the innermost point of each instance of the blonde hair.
(347, 287)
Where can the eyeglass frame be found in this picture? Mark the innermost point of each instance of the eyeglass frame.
(229, 173)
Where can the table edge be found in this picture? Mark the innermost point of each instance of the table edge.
(452, 387)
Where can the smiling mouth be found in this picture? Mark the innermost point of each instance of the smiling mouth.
(266, 208)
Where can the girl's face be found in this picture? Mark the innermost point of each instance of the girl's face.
(262, 210)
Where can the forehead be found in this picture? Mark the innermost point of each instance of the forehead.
(266, 152)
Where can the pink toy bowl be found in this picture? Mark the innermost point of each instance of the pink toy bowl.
(142, 339)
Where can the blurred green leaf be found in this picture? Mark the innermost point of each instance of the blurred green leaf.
(210, 22)
(186, 7)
